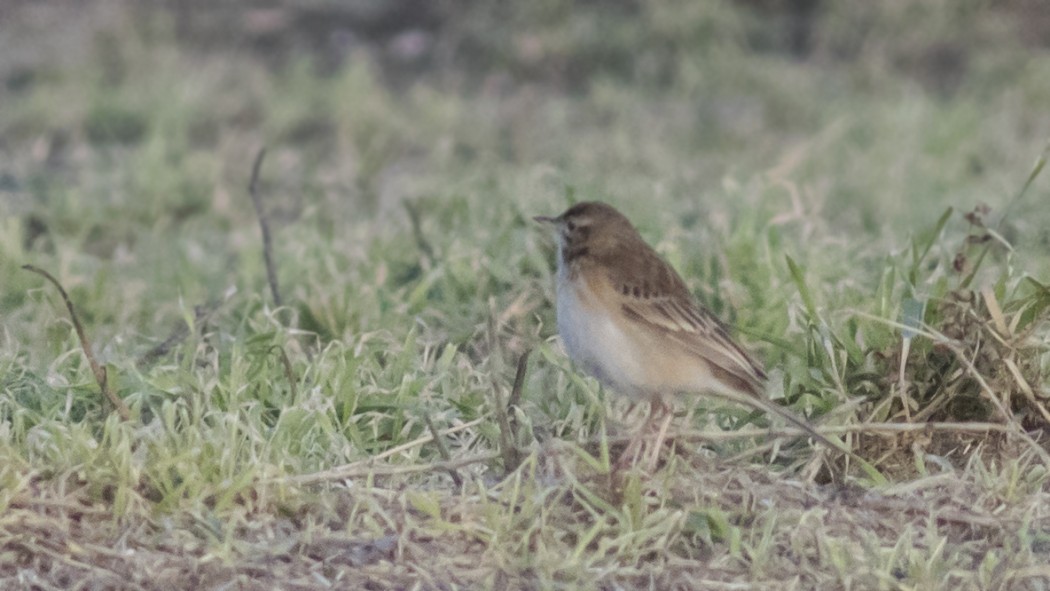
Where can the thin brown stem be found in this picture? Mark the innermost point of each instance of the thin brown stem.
(443, 450)
(264, 226)
(96, 368)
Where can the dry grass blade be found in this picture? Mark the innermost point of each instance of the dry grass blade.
(958, 351)
(886, 429)
(990, 394)
(995, 311)
(97, 369)
(505, 417)
(59, 556)
(371, 468)
(355, 468)
(1041, 572)
(506, 438)
(954, 515)
(1026, 389)
(264, 227)
(442, 449)
(863, 428)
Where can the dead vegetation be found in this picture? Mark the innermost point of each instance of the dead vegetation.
(699, 524)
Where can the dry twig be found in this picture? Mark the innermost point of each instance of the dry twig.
(264, 226)
(505, 417)
(96, 368)
(443, 450)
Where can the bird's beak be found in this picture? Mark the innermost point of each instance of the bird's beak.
(545, 219)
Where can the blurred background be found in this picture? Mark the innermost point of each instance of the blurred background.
(128, 130)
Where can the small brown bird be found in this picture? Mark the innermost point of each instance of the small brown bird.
(627, 318)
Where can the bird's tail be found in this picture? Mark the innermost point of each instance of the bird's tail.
(764, 405)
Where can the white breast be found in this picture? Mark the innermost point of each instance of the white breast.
(593, 340)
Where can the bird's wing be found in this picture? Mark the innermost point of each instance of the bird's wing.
(658, 300)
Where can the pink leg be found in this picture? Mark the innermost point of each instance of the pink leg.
(635, 448)
(661, 435)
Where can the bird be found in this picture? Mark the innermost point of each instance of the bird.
(627, 318)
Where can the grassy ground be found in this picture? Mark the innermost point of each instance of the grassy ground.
(829, 179)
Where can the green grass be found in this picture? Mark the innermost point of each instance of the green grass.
(815, 197)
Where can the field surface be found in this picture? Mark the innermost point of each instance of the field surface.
(317, 341)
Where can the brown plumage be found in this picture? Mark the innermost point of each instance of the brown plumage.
(627, 317)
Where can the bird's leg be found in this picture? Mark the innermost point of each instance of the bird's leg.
(630, 454)
(661, 435)
(658, 411)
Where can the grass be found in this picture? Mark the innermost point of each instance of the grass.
(866, 209)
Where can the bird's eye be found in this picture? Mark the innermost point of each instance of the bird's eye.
(571, 225)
